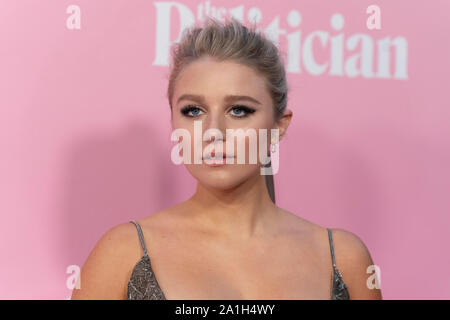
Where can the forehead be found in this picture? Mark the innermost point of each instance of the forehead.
(215, 79)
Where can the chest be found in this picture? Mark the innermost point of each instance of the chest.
(279, 270)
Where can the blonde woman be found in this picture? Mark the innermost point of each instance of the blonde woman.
(229, 240)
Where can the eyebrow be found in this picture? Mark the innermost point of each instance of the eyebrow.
(228, 98)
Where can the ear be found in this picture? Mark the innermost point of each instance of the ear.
(283, 122)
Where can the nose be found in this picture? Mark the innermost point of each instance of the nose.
(215, 123)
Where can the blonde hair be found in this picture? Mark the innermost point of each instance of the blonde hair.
(232, 40)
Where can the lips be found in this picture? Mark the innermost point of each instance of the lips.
(215, 157)
(218, 160)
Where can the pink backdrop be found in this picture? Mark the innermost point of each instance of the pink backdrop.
(85, 131)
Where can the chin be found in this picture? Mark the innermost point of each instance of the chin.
(224, 177)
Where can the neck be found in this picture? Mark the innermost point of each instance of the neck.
(240, 212)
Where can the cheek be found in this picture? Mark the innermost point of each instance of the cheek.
(179, 122)
(261, 143)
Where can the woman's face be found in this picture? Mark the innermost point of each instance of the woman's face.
(200, 94)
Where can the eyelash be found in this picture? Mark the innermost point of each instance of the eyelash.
(185, 111)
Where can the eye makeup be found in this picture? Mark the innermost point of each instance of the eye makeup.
(191, 111)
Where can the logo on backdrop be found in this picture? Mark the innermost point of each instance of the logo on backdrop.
(349, 55)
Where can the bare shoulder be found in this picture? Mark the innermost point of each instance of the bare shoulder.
(168, 218)
(355, 263)
(303, 226)
(108, 266)
(352, 256)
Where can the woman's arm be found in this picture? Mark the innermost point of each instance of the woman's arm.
(104, 274)
(352, 259)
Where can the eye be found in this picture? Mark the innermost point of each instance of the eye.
(238, 111)
(190, 111)
(242, 111)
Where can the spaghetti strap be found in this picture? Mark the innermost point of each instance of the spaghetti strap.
(339, 289)
(330, 238)
(141, 236)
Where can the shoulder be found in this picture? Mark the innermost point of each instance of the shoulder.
(355, 263)
(108, 266)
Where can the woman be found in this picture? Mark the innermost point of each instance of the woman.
(229, 240)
